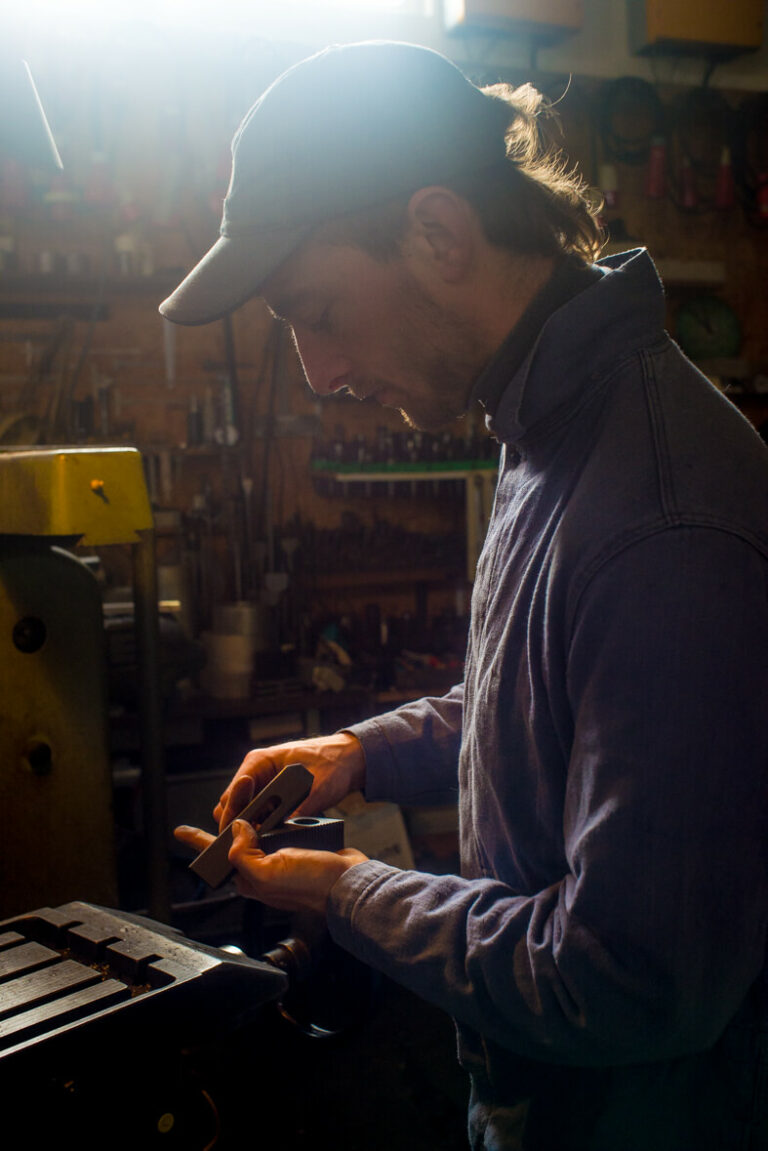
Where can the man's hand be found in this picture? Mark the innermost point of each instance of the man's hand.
(292, 879)
(336, 761)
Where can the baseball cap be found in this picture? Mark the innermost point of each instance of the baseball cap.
(346, 129)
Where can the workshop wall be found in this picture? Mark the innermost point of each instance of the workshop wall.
(233, 440)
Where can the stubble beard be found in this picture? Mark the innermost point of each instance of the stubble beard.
(442, 354)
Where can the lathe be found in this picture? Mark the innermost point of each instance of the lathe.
(104, 1017)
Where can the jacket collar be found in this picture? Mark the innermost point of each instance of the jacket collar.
(621, 310)
(569, 277)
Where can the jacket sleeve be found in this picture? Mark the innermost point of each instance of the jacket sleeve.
(648, 943)
(412, 753)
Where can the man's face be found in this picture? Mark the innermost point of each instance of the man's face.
(369, 327)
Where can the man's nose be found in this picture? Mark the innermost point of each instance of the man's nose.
(324, 366)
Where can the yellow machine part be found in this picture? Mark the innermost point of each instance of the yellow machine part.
(97, 494)
(56, 823)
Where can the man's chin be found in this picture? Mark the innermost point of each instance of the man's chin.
(430, 421)
(429, 424)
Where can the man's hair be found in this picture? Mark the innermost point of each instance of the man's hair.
(532, 203)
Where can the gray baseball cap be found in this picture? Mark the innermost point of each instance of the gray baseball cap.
(344, 130)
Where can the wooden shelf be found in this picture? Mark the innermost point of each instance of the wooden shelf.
(34, 287)
(370, 579)
(402, 473)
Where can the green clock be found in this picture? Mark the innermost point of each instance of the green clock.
(708, 329)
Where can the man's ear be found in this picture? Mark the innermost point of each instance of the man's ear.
(442, 232)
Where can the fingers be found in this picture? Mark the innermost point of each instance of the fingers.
(193, 836)
(244, 838)
(352, 853)
(245, 856)
(292, 879)
(234, 800)
(255, 773)
(337, 763)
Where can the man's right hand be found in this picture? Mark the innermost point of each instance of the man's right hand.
(336, 761)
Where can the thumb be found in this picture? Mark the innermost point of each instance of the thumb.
(244, 837)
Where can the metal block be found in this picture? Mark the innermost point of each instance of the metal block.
(282, 795)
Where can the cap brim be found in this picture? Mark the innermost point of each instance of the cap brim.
(229, 274)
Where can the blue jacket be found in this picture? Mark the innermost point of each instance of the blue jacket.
(603, 950)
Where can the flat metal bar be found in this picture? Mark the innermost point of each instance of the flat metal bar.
(287, 790)
(67, 1009)
(26, 957)
(10, 939)
(41, 986)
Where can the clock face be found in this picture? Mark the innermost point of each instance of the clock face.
(708, 329)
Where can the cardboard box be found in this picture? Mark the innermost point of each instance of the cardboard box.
(376, 829)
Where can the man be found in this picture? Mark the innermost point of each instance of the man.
(603, 949)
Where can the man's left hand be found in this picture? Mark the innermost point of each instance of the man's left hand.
(292, 879)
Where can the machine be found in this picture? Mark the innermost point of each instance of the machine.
(56, 827)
